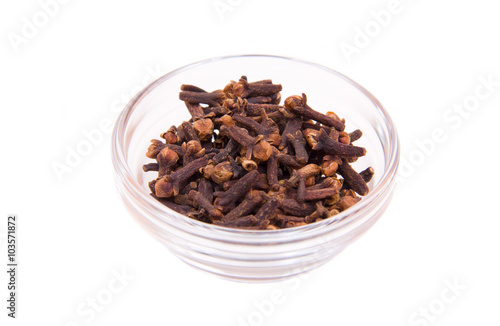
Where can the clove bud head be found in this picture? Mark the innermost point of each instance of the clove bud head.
(293, 101)
(248, 165)
(164, 188)
(204, 129)
(262, 151)
(222, 172)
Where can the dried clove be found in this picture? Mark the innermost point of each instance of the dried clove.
(237, 190)
(150, 167)
(166, 159)
(272, 169)
(195, 110)
(268, 128)
(292, 206)
(204, 129)
(299, 145)
(206, 189)
(355, 135)
(187, 132)
(252, 200)
(330, 146)
(252, 146)
(192, 150)
(243, 88)
(245, 161)
(302, 174)
(353, 179)
(222, 172)
(170, 184)
(214, 212)
(292, 126)
(170, 135)
(214, 98)
(330, 165)
(298, 105)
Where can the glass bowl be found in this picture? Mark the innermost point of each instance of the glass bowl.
(250, 255)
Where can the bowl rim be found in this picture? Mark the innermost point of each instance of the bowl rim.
(209, 231)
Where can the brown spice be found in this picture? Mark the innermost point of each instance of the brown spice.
(245, 161)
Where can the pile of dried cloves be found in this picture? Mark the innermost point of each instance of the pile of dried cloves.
(245, 161)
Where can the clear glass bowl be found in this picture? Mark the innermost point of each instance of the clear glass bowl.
(244, 254)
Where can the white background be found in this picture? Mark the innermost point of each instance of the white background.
(72, 73)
